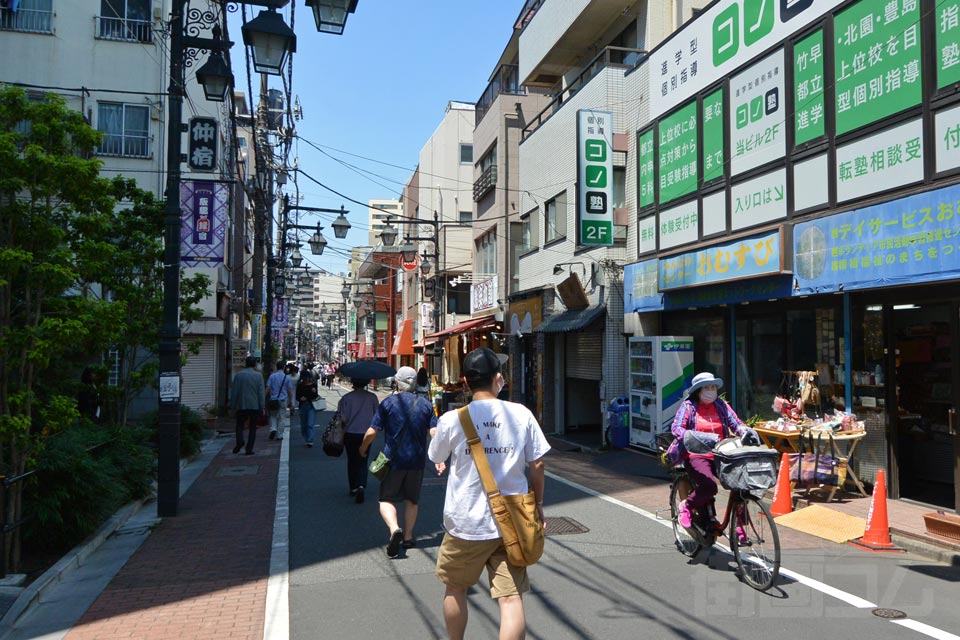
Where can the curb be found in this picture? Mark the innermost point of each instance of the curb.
(945, 553)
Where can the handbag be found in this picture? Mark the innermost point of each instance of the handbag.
(274, 403)
(516, 515)
(332, 438)
(814, 467)
(381, 464)
(319, 404)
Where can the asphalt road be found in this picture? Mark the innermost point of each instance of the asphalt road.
(620, 579)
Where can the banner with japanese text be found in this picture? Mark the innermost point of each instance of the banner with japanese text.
(712, 118)
(677, 154)
(595, 177)
(203, 228)
(748, 257)
(809, 118)
(948, 42)
(757, 131)
(646, 169)
(909, 240)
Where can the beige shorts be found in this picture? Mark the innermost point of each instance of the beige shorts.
(460, 563)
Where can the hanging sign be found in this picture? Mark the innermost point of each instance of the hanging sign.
(203, 226)
(203, 144)
(595, 177)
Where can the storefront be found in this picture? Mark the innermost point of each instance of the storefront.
(450, 347)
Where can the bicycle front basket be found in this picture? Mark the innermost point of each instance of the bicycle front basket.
(752, 469)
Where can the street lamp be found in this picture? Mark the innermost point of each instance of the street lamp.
(317, 242)
(296, 257)
(388, 234)
(331, 15)
(341, 225)
(214, 76)
(271, 41)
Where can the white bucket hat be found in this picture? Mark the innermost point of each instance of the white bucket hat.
(703, 379)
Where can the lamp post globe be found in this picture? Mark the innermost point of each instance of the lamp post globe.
(388, 235)
(271, 41)
(341, 225)
(215, 78)
(317, 243)
(409, 252)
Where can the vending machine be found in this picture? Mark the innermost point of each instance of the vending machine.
(661, 368)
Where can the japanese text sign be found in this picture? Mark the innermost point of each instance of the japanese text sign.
(203, 225)
(679, 225)
(203, 144)
(645, 170)
(748, 257)
(757, 134)
(948, 42)
(913, 239)
(647, 230)
(891, 158)
(759, 199)
(640, 291)
(808, 115)
(876, 60)
(595, 177)
(712, 118)
(947, 138)
(677, 153)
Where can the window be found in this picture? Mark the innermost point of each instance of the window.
(127, 129)
(125, 20)
(528, 232)
(555, 218)
(466, 217)
(486, 251)
(619, 187)
(34, 16)
(466, 153)
(487, 179)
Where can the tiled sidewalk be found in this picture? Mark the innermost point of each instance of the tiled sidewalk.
(201, 574)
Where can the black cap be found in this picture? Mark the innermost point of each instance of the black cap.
(480, 366)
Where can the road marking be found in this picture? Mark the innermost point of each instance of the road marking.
(277, 616)
(843, 596)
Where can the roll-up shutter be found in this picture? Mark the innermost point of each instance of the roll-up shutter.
(584, 355)
(199, 376)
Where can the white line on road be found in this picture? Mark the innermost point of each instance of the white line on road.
(277, 616)
(843, 596)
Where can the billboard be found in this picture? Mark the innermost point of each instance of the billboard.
(203, 223)
(595, 177)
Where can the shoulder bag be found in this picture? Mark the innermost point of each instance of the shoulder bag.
(516, 515)
(381, 464)
(274, 402)
(333, 436)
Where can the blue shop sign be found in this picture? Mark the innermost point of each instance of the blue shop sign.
(913, 239)
(640, 287)
(750, 257)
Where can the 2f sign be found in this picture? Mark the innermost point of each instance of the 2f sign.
(596, 232)
(754, 19)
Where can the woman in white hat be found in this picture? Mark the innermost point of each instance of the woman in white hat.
(702, 420)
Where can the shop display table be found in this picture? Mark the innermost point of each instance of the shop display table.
(844, 446)
(782, 441)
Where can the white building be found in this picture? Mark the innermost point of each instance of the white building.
(377, 213)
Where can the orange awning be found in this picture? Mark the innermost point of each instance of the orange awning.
(403, 342)
(462, 327)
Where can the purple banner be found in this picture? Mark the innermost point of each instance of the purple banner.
(281, 307)
(203, 227)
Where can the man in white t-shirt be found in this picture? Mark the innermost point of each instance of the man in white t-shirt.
(512, 440)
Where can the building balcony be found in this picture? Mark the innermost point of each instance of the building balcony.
(108, 28)
(26, 20)
(505, 81)
(486, 182)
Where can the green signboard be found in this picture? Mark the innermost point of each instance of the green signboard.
(677, 153)
(808, 115)
(877, 61)
(712, 119)
(646, 169)
(595, 177)
(948, 42)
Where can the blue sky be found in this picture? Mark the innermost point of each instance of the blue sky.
(379, 91)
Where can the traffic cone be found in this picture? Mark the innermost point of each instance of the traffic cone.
(876, 537)
(782, 498)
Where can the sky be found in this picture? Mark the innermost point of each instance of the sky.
(373, 96)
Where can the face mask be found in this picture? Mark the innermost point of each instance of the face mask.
(708, 395)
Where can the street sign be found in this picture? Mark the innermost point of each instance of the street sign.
(203, 144)
(595, 177)
(411, 265)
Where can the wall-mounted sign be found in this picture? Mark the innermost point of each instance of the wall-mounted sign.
(281, 309)
(718, 41)
(757, 130)
(748, 257)
(647, 229)
(645, 187)
(912, 239)
(758, 200)
(679, 225)
(876, 61)
(203, 225)
(595, 177)
(948, 42)
(947, 138)
(712, 118)
(677, 153)
(714, 213)
(203, 144)
(891, 158)
(808, 106)
(483, 295)
(640, 292)
(811, 179)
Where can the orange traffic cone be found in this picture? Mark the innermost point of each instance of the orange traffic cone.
(876, 537)
(782, 498)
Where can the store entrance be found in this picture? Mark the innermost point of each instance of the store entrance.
(924, 338)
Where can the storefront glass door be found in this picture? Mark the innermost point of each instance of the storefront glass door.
(925, 354)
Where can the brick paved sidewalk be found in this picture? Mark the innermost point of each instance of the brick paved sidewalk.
(201, 574)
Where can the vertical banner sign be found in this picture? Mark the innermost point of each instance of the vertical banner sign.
(877, 61)
(281, 308)
(203, 223)
(595, 177)
(808, 116)
(757, 123)
(713, 135)
(203, 144)
(948, 42)
(646, 168)
(677, 153)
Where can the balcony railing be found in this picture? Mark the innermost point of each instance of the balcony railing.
(108, 28)
(29, 20)
(486, 182)
(505, 81)
(610, 57)
(125, 146)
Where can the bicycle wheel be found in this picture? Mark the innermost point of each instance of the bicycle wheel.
(755, 543)
(681, 537)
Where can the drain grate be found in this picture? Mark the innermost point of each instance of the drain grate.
(237, 471)
(558, 526)
(889, 614)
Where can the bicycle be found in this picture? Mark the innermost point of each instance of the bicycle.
(747, 525)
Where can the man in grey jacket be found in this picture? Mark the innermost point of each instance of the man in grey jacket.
(247, 397)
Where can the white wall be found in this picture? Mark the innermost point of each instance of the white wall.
(542, 33)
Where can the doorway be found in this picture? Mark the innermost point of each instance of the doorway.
(925, 348)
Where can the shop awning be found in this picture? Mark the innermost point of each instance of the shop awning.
(571, 320)
(461, 327)
(366, 351)
(403, 341)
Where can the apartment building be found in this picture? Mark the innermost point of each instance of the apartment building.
(378, 211)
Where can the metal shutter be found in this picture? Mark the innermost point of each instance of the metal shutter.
(584, 355)
(199, 376)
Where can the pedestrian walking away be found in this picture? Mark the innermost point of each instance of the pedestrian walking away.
(357, 409)
(405, 419)
(306, 394)
(512, 441)
(247, 399)
(280, 389)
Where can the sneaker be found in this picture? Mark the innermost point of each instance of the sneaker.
(358, 498)
(310, 445)
(273, 435)
(684, 517)
(742, 538)
(237, 448)
(409, 544)
(393, 547)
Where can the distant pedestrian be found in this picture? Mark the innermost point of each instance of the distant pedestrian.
(423, 384)
(512, 440)
(280, 393)
(357, 409)
(405, 419)
(306, 394)
(88, 397)
(247, 399)
(330, 371)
